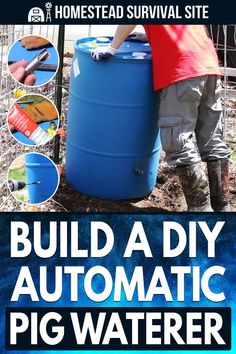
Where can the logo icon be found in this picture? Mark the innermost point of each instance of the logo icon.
(36, 14)
(48, 6)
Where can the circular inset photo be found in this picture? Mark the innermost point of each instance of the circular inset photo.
(33, 120)
(33, 60)
(33, 178)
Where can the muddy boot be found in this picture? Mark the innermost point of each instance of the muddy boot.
(195, 187)
(218, 174)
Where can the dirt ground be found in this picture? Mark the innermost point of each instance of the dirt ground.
(166, 196)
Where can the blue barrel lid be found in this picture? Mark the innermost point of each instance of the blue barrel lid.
(128, 49)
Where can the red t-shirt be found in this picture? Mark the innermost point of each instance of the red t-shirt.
(180, 52)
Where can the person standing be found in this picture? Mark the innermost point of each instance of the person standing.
(186, 74)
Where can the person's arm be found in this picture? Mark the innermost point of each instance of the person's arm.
(121, 34)
(104, 53)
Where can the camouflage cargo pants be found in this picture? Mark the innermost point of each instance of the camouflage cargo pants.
(188, 107)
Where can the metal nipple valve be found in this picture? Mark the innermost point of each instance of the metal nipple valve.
(37, 61)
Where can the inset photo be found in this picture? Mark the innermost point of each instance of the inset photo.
(33, 120)
(33, 60)
(33, 178)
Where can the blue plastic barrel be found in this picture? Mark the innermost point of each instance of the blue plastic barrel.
(41, 169)
(113, 144)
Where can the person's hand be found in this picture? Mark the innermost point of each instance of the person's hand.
(32, 42)
(137, 37)
(18, 72)
(103, 53)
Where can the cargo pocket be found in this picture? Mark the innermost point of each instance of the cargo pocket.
(190, 90)
(171, 133)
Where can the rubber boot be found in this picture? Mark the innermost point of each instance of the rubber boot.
(218, 174)
(195, 187)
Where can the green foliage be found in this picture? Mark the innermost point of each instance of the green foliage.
(22, 196)
(233, 158)
(20, 175)
(17, 173)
